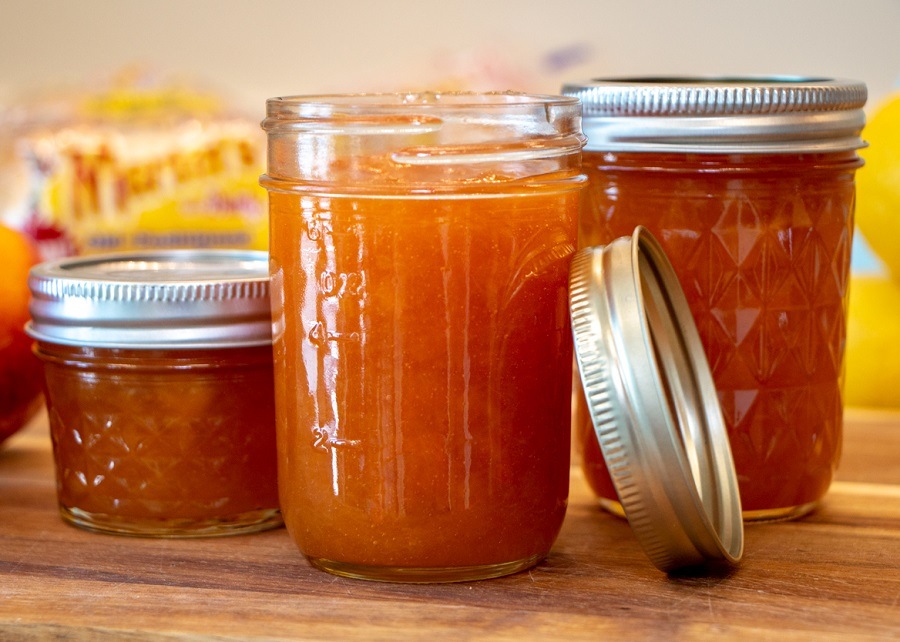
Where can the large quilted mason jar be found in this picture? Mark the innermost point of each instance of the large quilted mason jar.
(748, 183)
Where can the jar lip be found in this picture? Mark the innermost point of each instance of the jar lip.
(411, 101)
(405, 113)
(460, 138)
(166, 299)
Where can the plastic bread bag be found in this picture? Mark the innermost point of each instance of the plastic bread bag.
(142, 162)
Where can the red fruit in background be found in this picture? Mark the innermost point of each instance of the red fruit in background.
(21, 376)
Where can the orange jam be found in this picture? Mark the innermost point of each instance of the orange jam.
(761, 245)
(159, 386)
(163, 442)
(422, 340)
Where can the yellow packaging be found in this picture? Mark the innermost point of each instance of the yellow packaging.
(146, 170)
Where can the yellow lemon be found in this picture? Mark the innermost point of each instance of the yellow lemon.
(872, 375)
(878, 185)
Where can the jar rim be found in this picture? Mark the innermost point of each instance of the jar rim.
(435, 141)
(415, 100)
(409, 112)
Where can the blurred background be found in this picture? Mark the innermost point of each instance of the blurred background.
(256, 49)
(97, 96)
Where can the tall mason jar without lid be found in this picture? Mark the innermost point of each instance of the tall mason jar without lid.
(419, 249)
(748, 183)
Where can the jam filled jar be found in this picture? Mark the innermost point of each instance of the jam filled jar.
(420, 248)
(159, 388)
(749, 186)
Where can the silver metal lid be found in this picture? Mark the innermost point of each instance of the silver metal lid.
(176, 299)
(654, 405)
(722, 115)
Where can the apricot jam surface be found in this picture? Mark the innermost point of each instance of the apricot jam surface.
(163, 442)
(761, 245)
(423, 374)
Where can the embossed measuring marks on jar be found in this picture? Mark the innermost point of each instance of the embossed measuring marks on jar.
(334, 323)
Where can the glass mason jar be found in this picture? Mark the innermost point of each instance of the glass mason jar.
(158, 371)
(749, 186)
(419, 249)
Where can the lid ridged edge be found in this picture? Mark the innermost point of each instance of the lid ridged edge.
(653, 404)
(166, 299)
(144, 292)
(597, 379)
(714, 97)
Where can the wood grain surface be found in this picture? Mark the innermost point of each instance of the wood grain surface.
(834, 575)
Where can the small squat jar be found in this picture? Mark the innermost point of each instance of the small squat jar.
(749, 186)
(158, 370)
(420, 248)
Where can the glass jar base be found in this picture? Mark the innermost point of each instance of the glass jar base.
(249, 522)
(779, 514)
(768, 515)
(426, 575)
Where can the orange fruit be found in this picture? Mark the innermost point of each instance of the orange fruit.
(17, 255)
(21, 378)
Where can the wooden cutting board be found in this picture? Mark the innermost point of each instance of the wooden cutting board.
(833, 575)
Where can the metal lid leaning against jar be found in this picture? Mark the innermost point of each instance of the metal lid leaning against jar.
(757, 115)
(653, 404)
(175, 299)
